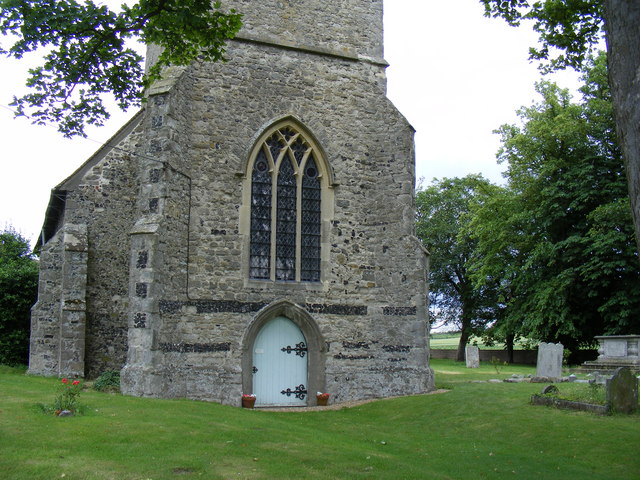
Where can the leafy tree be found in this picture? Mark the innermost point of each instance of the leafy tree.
(499, 228)
(87, 55)
(573, 28)
(18, 292)
(442, 215)
(561, 242)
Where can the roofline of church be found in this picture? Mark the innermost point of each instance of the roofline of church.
(71, 181)
(55, 207)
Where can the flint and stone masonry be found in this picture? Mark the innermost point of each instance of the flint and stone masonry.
(277, 184)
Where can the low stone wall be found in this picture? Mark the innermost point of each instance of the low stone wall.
(522, 357)
(525, 357)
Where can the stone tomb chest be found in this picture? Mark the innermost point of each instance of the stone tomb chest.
(616, 351)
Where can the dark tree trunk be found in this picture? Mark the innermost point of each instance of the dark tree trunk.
(509, 341)
(464, 339)
(622, 23)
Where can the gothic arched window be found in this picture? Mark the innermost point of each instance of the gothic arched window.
(285, 209)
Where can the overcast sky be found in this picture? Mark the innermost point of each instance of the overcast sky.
(453, 73)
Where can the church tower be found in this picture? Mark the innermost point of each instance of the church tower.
(269, 245)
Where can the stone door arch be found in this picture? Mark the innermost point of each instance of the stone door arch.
(314, 343)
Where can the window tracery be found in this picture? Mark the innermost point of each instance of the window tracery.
(286, 195)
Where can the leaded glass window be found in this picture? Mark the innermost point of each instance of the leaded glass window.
(310, 237)
(286, 194)
(260, 255)
(286, 223)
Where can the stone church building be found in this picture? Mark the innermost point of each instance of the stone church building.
(250, 230)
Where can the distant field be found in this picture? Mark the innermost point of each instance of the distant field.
(449, 341)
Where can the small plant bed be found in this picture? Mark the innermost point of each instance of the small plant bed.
(551, 401)
(574, 396)
(620, 395)
(65, 403)
(108, 382)
(594, 393)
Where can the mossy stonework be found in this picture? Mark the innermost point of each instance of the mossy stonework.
(277, 184)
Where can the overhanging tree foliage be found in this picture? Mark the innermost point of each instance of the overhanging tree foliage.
(87, 55)
(569, 30)
(442, 215)
(561, 242)
(18, 291)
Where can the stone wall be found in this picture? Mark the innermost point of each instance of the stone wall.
(167, 216)
(99, 209)
(344, 26)
(45, 314)
(109, 193)
(370, 306)
(524, 357)
(59, 317)
(268, 85)
(350, 28)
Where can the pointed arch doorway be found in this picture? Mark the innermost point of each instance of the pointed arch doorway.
(280, 364)
(284, 325)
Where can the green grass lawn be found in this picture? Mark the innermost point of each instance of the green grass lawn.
(474, 431)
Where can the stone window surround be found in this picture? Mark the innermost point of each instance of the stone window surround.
(327, 184)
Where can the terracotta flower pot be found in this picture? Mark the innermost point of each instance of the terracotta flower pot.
(322, 400)
(248, 402)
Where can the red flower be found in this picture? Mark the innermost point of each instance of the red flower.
(76, 382)
(65, 381)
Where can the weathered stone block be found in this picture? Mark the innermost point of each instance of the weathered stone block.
(622, 391)
(472, 356)
(549, 364)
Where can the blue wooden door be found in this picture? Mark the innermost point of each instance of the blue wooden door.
(280, 364)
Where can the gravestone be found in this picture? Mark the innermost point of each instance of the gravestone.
(549, 363)
(622, 391)
(472, 356)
